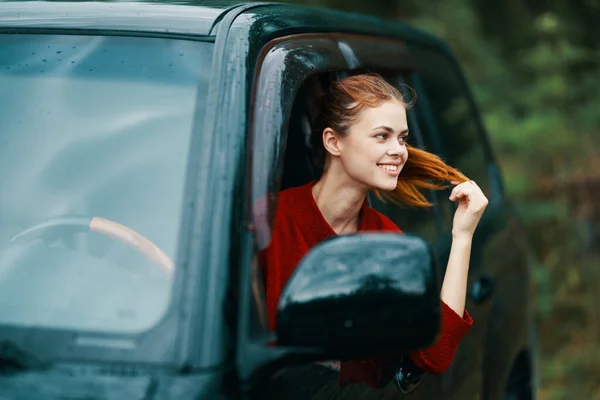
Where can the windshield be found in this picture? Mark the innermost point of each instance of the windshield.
(94, 138)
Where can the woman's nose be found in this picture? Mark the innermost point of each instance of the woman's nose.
(397, 150)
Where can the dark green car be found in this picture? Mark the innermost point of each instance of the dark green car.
(142, 147)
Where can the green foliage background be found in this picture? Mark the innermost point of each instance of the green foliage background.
(533, 66)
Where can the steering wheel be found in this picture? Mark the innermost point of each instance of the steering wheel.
(101, 225)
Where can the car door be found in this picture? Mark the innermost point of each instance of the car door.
(293, 73)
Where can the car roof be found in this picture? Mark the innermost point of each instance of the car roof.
(197, 18)
(188, 17)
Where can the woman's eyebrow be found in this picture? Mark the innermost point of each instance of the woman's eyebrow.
(390, 130)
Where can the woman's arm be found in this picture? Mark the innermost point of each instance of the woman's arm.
(454, 286)
(471, 205)
(456, 320)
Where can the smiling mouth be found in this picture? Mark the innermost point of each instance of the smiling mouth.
(388, 167)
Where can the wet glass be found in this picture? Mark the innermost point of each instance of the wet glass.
(94, 139)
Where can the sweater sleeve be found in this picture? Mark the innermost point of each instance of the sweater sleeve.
(435, 359)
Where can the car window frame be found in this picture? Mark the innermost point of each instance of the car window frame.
(266, 150)
(268, 133)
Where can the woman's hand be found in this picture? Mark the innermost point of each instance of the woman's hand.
(471, 205)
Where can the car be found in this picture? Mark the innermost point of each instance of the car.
(143, 146)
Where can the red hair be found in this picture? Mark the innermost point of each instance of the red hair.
(339, 109)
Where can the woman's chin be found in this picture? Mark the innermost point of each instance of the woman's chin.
(387, 185)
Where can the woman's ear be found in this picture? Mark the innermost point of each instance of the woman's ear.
(331, 142)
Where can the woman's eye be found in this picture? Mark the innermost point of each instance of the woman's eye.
(381, 136)
(402, 139)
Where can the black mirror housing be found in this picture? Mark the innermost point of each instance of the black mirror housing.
(369, 293)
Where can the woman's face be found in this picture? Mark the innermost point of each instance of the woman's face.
(374, 150)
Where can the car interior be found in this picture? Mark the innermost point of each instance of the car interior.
(299, 167)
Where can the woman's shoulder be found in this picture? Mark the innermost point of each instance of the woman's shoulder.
(296, 194)
(376, 220)
(286, 206)
(297, 200)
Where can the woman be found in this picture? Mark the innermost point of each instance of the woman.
(359, 138)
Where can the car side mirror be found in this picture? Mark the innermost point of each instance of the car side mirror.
(370, 293)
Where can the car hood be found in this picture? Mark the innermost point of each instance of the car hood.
(94, 386)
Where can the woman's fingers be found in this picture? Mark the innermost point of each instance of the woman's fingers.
(460, 191)
(474, 195)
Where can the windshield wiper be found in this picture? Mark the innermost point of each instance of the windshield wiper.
(14, 359)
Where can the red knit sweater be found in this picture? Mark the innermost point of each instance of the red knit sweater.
(299, 225)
